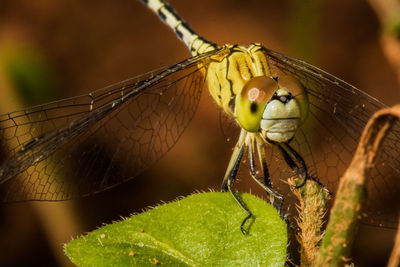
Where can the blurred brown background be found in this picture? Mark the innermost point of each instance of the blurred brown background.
(90, 44)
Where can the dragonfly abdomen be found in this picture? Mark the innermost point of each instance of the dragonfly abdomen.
(195, 43)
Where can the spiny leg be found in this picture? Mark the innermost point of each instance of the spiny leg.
(302, 170)
(233, 160)
(228, 183)
(288, 159)
(263, 163)
(267, 186)
(292, 164)
(300, 159)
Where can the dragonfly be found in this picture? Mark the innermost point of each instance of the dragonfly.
(294, 119)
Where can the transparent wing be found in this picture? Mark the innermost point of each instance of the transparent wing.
(338, 113)
(229, 127)
(86, 144)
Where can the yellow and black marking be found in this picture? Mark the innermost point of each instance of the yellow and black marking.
(195, 43)
(227, 78)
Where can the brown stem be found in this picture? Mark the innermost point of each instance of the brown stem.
(351, 194)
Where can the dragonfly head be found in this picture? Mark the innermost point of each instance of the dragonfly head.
(273, 106)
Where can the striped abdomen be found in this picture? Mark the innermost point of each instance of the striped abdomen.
(195, 43)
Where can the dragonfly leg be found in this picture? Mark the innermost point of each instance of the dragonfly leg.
(234, 161)
(304, 167)
(292, 164)
(230, 176)
(288, 159)
(267, 186)
(263, 163)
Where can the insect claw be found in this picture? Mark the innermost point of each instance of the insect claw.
(242, 229)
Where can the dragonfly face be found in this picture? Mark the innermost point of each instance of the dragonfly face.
(285, 111)
(267, 105)
(281, 117)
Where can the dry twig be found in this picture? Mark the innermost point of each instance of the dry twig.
(351, 194)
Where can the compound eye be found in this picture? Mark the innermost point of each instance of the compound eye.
(252, 100)
(259, 89)
(298, 92)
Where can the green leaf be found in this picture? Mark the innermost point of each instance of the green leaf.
(200, 230)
